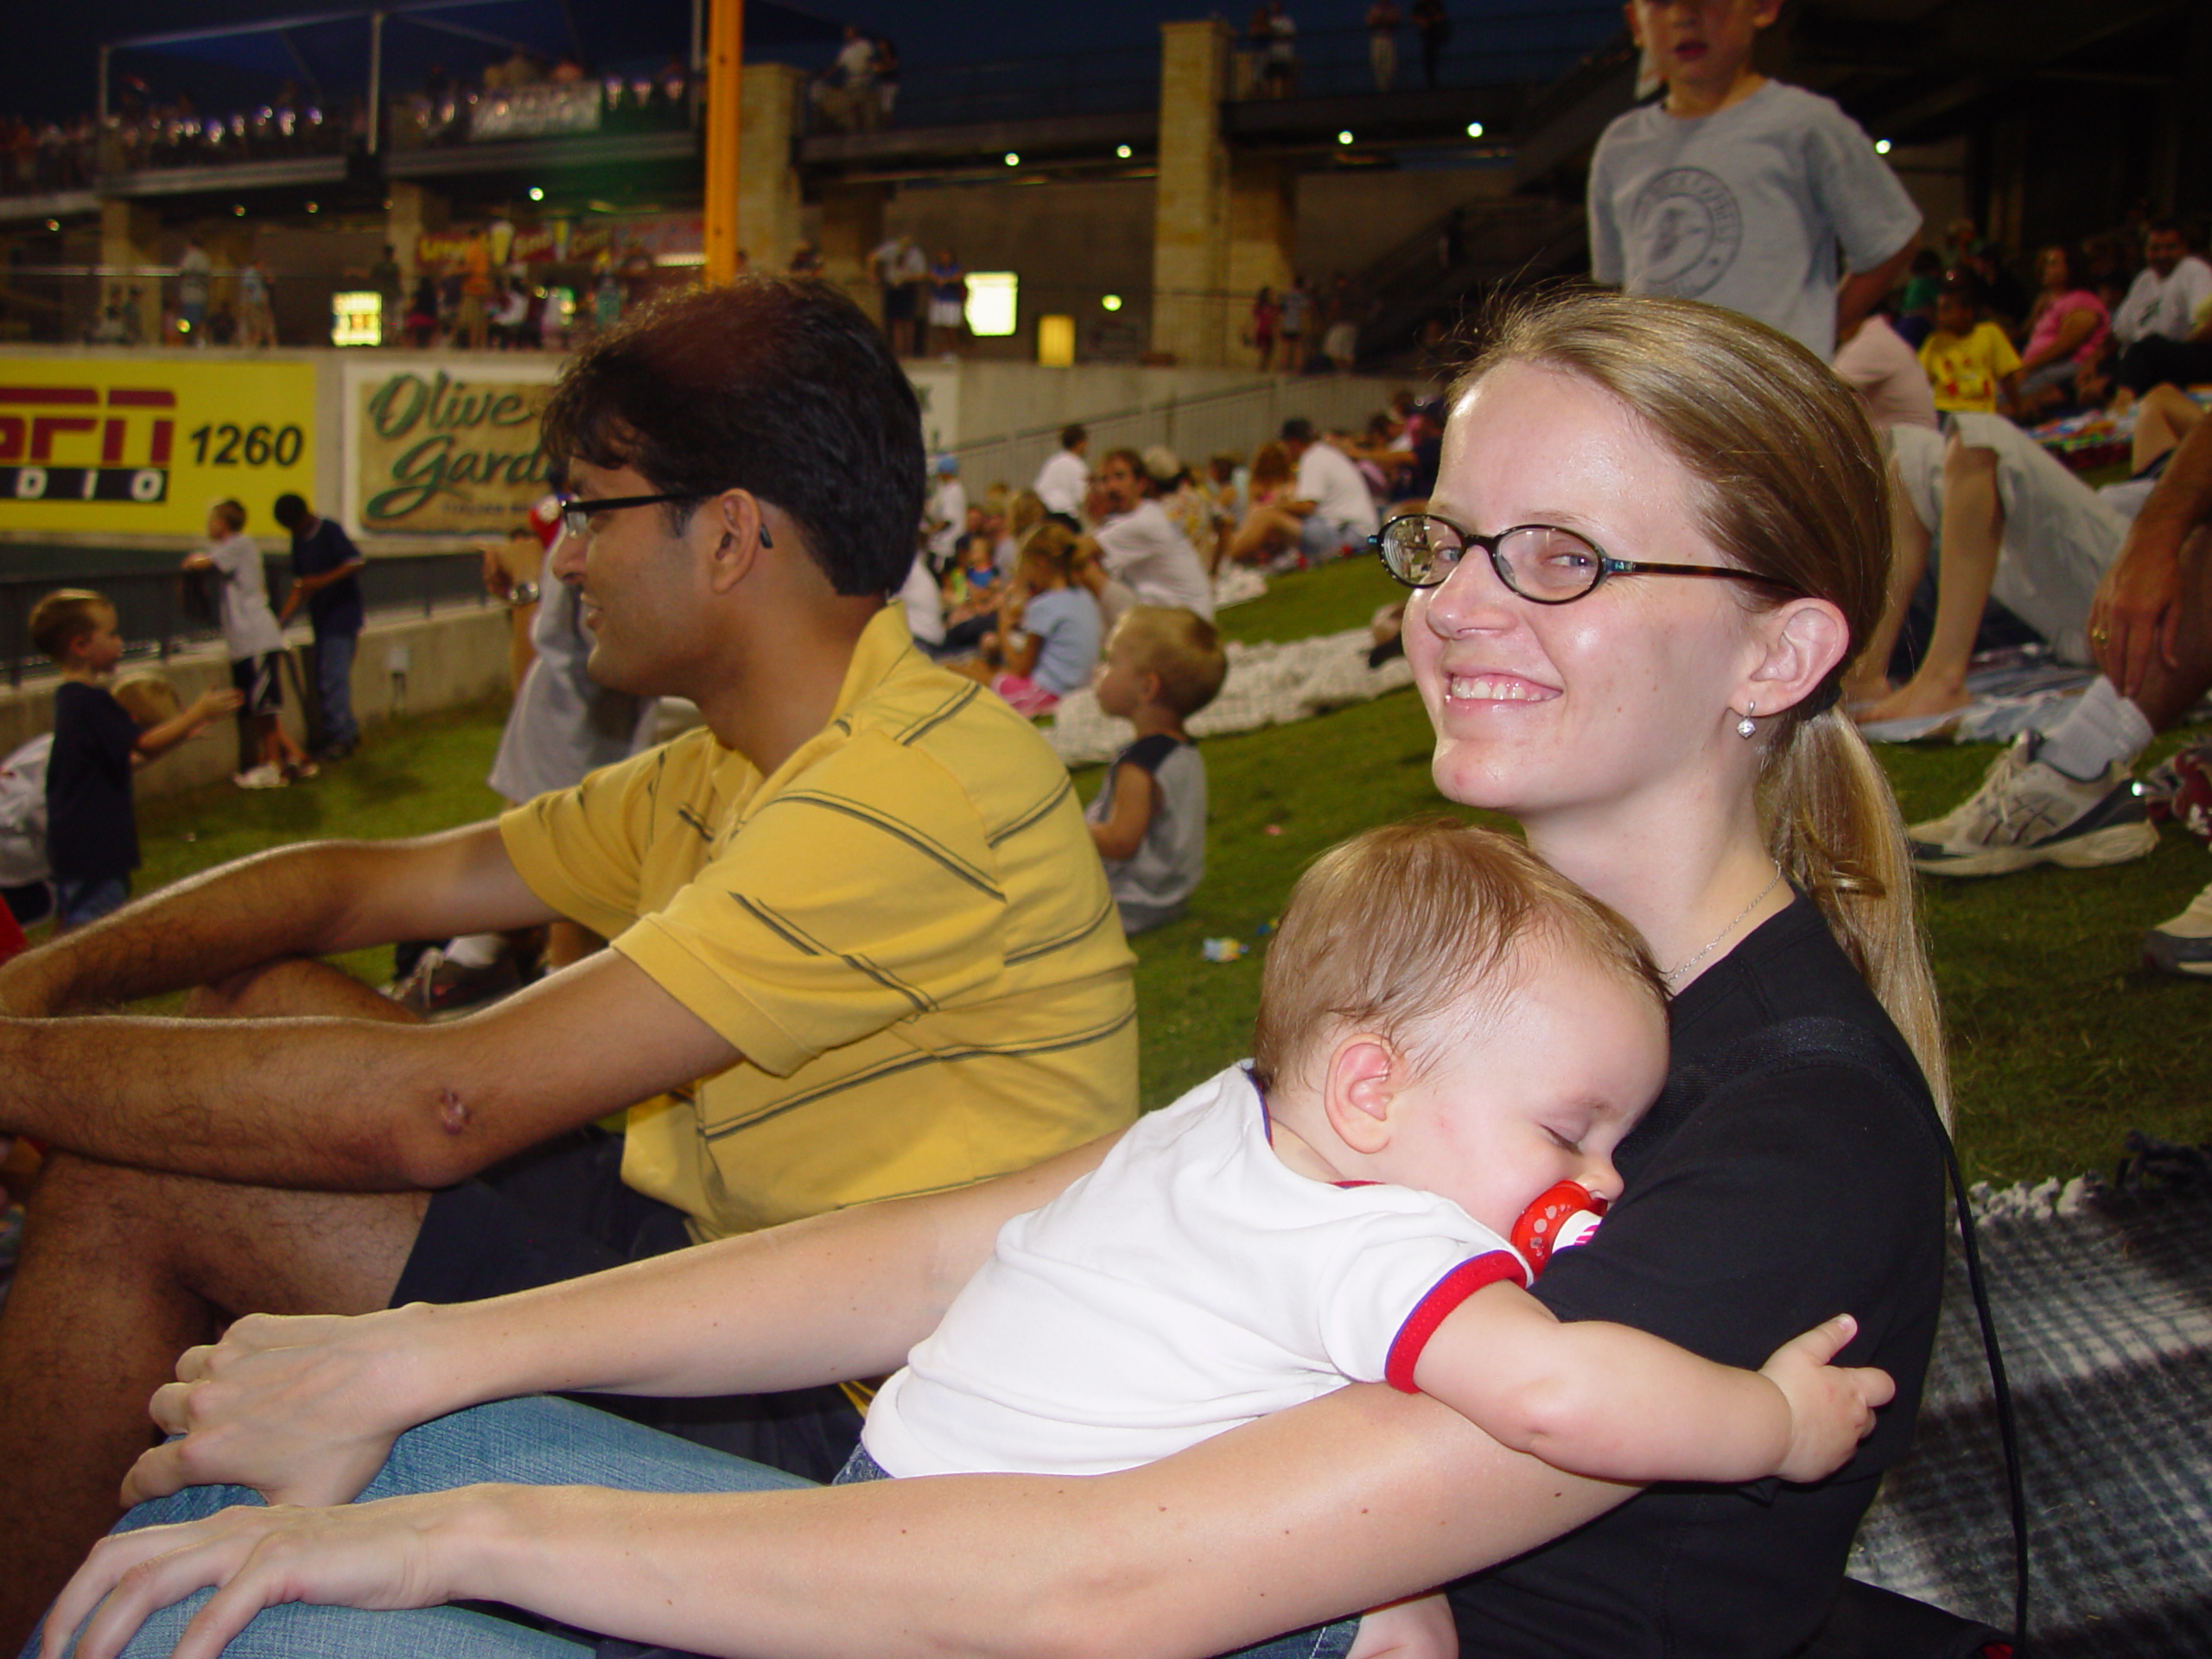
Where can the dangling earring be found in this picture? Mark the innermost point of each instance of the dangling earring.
(1747, 727)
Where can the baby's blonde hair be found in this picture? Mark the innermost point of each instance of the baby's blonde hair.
(149, 699)
(1394, 929)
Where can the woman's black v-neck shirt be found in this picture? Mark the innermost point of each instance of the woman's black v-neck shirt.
(1752, 1212)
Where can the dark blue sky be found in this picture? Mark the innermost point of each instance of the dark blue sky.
(48, 69)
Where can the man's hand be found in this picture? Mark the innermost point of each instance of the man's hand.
(2134, 617)
(302, 1410)
(394, 1553)
(1831, 1406)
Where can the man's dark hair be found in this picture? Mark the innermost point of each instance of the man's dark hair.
(289, 511)
(1298, 429)
(2171, 227)
(779, 385)
(1072, 434)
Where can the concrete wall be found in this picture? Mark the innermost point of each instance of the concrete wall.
(1070, 245)
(451, 657)
(1348, 218)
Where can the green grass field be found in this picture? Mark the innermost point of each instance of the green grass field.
(2061, 1042)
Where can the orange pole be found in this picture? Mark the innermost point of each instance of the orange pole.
(725, 60)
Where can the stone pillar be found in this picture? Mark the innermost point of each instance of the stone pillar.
(1262, 241)
(767, 184)
(414, 210)
(130, 239)
(1189, 225)
(852, 226)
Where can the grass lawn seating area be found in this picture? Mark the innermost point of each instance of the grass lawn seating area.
(2061, 1043)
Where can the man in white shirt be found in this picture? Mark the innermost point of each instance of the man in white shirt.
(2172, 284)
(1333, 497)
(2164, 322)
(947, 513)
(1139, 544)
(1062, 481)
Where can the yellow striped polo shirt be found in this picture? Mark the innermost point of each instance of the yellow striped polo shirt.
(905, 931)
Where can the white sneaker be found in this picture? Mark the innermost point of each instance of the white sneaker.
(261, 777)
(2028, 812)
(2183, 945)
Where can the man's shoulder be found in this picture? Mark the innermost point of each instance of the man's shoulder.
(925, 723)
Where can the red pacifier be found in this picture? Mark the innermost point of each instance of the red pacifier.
(1562, 1218)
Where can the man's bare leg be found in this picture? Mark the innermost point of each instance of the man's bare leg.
(1972, 535)
(2166, 415)
(1868, 682)
(121, 1270)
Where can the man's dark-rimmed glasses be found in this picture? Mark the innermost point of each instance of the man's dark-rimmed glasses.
(1541, 562)
(578, 512)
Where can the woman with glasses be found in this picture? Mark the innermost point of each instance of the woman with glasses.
(1657, 531)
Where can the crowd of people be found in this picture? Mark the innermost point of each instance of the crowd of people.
(1560, 1275)
(867, 945)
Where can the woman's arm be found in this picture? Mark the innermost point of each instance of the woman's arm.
(2074, 329)
(304, 1410)
(1352, 1500)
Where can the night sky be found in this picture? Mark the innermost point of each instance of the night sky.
(49, 69)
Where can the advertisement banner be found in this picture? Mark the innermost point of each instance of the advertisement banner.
(443, 447)
(147, 444)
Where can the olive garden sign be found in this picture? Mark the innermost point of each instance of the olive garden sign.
(443, 448)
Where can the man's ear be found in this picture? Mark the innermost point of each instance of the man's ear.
(737, 531)
(1358, 1089)
(1803, 641)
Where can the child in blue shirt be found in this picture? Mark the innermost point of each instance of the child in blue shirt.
(91, 830)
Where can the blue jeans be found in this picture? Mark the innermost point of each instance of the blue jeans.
(534, 1442)
(76, 903)
(334, 686)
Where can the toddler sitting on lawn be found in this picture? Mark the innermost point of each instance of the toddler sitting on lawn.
(1150, 821)
(1449, 1030)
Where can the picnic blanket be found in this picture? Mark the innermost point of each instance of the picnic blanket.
(1269, 684)
(2103, 1301)
(2019, 690)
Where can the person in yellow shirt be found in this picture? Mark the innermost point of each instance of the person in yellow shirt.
(861, 947)
(1971, 364)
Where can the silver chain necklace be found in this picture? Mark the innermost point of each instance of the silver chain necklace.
(1670, 975)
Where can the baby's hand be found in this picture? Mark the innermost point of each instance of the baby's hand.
(1831, 1406)
(1421, 1629)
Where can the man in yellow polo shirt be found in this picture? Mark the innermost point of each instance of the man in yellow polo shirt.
(861, 947)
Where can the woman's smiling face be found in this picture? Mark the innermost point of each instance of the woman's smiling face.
(1586, 705)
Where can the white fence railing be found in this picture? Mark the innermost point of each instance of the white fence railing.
(1240, 420)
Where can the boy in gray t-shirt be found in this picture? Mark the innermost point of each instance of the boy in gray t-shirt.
(1149, 822)
(1741, 192)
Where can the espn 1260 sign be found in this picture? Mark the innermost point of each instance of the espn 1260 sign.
(32, 418)
(144, 444)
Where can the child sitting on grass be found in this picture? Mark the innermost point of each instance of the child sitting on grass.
(1150, 821)
(1448, 1032)
(1046, 643)
(1970, 363)
(100, 737)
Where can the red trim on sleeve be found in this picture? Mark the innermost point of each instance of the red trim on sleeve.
(1446, 1295)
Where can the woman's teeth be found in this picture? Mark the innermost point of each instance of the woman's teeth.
(1484, 688)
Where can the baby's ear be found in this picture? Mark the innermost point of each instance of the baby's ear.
(1363, 1075)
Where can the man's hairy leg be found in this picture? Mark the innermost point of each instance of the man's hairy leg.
(121, 1270)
